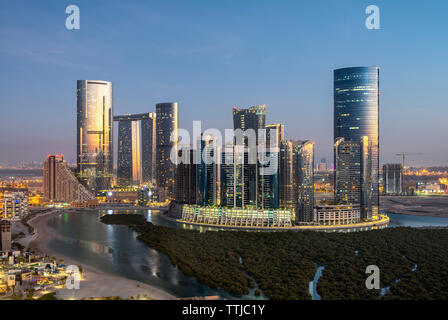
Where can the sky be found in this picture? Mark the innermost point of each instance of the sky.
(213, 55)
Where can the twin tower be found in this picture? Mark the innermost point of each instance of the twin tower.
(144, 143)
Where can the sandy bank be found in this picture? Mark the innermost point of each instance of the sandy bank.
(96, 283)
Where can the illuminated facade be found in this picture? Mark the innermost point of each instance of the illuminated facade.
(356, 103)
(95, 134)
(166, 123)
(231, 195)
(304, 169)
(336, 214)
(60, 183)
(50, 176)
(136, 149)
(287, 181)
(247, 175)
(15, 205)
(236, 216)
(251, 118)
(148, 125)
(208, 172)
(268, 178)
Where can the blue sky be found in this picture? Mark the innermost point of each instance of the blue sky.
(212, 55)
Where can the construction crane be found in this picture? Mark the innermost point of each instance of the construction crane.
(404, 154)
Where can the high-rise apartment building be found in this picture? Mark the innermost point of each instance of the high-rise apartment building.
(356, 103)
(166, 124)
(296, 179)
(95, 134)
(50, 169)
(61, 184)
(392, 179)
(287, 176)
(251, 118)
(249, 122)
(268, 167)
(233, 181)
(208, 171)
(148, 125)
(304, 169)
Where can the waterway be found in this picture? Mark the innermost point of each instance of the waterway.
(115, 249)
(312, 287)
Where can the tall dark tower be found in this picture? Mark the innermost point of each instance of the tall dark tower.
(356, 122)
(166, 123)
(253, 118)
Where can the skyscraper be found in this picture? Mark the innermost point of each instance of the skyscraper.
(208, 174)
(50, 168)
(94, 134)
(249, 121)
(166, 123)
(287, 183)
(135, 149)
(279, 130)
(356, 103)
(149, 149)
(268, 178)
(231, 195)
(186, 177)
(304, 169)
(251, 118)
(296, 179)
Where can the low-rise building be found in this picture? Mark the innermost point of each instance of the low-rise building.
(337, 214)
(237, 216)
(15, 205)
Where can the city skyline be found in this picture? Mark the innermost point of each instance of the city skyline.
(209, 72)
(201, 151)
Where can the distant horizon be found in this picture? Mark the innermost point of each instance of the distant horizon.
(211, 57)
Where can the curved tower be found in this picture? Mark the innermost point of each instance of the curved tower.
(94, 134)
(356, 121)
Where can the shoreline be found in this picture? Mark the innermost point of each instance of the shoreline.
(383, 222)
(95, 283)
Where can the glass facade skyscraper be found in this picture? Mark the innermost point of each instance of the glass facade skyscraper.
(247, 173)
(166, 123)
(304, 169)
(356, 108)
(148, 125)
(94, 134)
